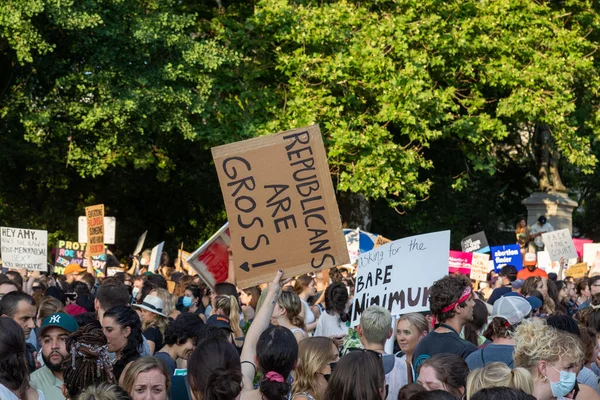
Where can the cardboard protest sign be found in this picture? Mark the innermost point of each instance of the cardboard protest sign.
(577, 270)
(155, 257)
(460, 262)
(474, 242)
(589, 252)
(95, 229)
(398, 275)
(479, 267)
(509, 254)
(182, 257)
(140, 244)
(211, 260)
(68, 252)
(578, 243)
(559, 244)
(110, 229)
(24, 249)
(280, 205)
(380, 241)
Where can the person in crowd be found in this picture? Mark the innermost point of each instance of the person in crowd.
(316, 361)
(48, 306)
(192, 300)
(54, 332)
(374, 329)
(21, 308)
(487, 288)
(540, 227)
(447, 372)
(72, 272)
(180, 340)
(472, 329)
(523, 235)
(89, 363)
(104, 391)
(502, 393)
(305, 287)
(214, 371)
(288, 313)
(551, 356)
(507, 314)
(531, 269)
(228, 306)
(123, 330)
(410, 329)
(14, 374)
(498, 374)
(147, 378)
(594, 288)
(583, 292)
(566, 297)
(508, 274)
(332, 322)
(223, 324)
(275, 350)
(451, 303)
(249, 298)
(7, 286)
(154, 321)
(169, 302)
(517, 286)
(222, 289)
(407, 392)
(590, 350)
(357, 376)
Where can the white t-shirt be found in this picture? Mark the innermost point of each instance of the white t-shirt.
(330, 325)
(536, 228)
(396, 378)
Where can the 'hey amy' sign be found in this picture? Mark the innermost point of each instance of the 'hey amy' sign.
(24, 249)
(398, 275)
(280, 205)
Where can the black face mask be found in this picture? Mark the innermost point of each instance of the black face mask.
(326, 376)
(331, 366)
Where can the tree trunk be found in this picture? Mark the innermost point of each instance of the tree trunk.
(355, 211)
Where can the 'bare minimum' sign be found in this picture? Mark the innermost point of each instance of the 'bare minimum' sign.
(280, 205)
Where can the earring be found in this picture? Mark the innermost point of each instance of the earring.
(544, 378)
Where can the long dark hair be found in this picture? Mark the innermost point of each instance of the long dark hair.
(277, 351)
(480, 316)
(214, 370)
(336, 297)
(357, 376)
(125, 317)
(14, 373)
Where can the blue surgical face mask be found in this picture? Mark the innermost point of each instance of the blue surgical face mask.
(135, 292)
(187, 301)
(565, 384)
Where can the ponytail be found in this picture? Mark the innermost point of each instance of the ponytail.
(224, 384)
(231, 308)
(274, 386)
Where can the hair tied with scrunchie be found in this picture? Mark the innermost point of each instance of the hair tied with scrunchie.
(274, 377)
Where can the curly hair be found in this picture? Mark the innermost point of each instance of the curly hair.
(314, 354)
(499, 328)
(536, 341)
(89, 362)
(291, 303)
(104, 391)
(444, 292)
(498, 374)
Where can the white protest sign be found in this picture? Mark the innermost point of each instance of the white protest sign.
(140, 244)
(589, 252)
(110, 228)
(155, 257)
(398, 275)
(559, 244)
(479, 266)
(24, 248)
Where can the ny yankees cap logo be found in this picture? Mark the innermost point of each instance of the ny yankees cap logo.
(55, 319)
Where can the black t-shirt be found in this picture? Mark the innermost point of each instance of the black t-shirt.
(153, 334)
(499, 292)
(438, 343)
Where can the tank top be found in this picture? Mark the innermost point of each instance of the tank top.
(309, 316)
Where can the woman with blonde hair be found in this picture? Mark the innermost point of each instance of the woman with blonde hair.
(288, 313)
(316, 357)
(145, 377)
(228, 306)
(104, 391)
(498, 374)
(552, 357)
(47, 307)
(154, 321)
(169, 301)
(410, 329)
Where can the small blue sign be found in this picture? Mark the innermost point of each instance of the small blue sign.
(509, 254)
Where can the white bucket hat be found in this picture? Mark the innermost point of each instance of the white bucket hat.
(153, 304)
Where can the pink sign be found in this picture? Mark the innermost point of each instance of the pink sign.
(460, 262)
(579, 246)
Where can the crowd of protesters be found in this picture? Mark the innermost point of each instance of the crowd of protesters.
(166, 335)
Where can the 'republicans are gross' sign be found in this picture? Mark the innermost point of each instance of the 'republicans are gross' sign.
(280, 205)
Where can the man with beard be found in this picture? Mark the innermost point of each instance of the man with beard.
(54, 333)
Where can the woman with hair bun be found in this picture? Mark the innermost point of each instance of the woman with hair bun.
(275, 350)
(123, 330)
(552, 357)
(214, 371)
(287, 313)
(498, 375)
(333, 321)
